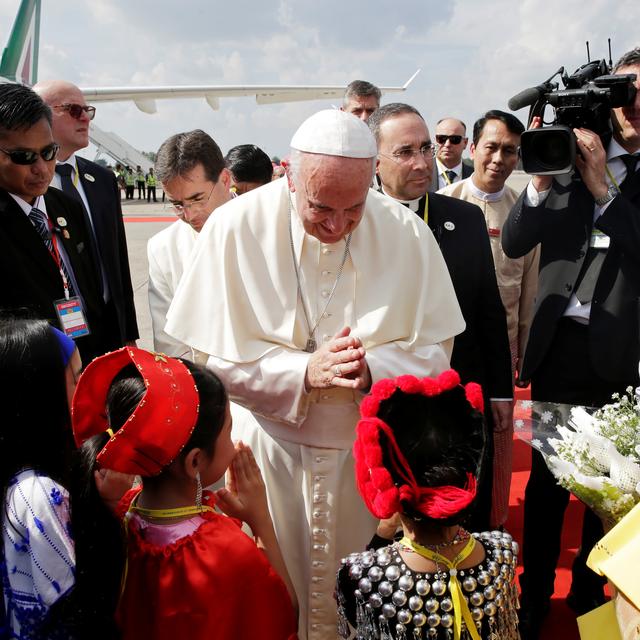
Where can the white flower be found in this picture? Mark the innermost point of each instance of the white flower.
(536, 443)
(526, 404)
(546, 417)
(519, 424)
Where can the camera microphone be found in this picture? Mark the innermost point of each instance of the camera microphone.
(527, 97)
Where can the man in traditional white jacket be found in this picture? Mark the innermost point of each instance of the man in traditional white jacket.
(496, 140)
(192, 171)
(304, 292)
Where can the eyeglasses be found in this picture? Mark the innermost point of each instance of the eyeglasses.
(441, 138)
(76, 110)
(25, 156)
(192, 203)
(407, 155)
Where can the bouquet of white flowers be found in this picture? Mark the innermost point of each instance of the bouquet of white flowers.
(595, 454)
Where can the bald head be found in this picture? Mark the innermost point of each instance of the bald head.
(69, 132)
(451, 137)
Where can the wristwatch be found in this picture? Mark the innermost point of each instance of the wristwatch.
(612, 192)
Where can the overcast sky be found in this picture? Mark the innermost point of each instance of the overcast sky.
(474, 55)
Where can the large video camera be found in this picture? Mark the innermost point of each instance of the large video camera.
(586, 102)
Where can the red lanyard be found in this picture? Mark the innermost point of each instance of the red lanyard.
(55, 254)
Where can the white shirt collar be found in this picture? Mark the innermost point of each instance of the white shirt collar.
(39, 203)
(441, 168)
(483, 195)
(615, 150)
(412, 204)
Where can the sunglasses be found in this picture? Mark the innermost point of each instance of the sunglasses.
(24, 156)
(76, 110)
(442, 139)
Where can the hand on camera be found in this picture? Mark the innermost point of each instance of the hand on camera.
(591, 162)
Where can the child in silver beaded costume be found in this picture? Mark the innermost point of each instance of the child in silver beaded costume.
(418, 450)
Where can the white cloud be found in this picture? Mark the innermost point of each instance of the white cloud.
(474, 55)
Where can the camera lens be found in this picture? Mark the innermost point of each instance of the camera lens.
(551, 150)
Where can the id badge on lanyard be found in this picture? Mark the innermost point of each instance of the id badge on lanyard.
(69, 309)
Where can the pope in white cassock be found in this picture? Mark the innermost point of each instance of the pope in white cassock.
(302, 293)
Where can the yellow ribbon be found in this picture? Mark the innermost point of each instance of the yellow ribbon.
(460, 607)
(425, 216)
(178, 512)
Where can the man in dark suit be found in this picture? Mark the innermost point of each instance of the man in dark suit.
(451, 138)
(96, 189)
(45, 262)
(481, 353)
(584, 342)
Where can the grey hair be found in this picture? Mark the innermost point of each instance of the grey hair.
(361, 89)
(295, 160)
(629, 59)
(391, 110)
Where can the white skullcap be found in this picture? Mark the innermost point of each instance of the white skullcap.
(335, 133)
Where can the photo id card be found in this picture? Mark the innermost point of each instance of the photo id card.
(599, 240)
(72, 318)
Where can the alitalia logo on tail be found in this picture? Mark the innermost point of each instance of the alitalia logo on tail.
(20, 56)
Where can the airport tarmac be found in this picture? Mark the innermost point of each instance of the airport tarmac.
(144, 220)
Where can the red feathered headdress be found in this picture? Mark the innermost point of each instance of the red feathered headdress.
(159, 426)
(375, 483)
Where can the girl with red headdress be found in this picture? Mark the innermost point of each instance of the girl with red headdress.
(191, 572)
(417, 453)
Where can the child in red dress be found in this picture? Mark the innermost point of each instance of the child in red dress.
(191, 571)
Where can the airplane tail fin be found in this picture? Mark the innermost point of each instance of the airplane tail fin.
(20, 57)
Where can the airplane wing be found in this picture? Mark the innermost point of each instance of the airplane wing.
(145, 97)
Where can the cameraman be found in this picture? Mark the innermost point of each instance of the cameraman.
(584, 339)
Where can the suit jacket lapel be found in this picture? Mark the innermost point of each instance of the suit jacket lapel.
(94, 197)
(21, 233)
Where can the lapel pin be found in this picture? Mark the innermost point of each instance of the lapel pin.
(65, 234)
(61, 222)
(449, 226)
(89, 177)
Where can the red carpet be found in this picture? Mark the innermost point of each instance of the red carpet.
(561, 623)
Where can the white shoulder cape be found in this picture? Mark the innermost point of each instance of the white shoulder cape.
(238, 297)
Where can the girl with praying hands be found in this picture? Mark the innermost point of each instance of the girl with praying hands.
(191, 571)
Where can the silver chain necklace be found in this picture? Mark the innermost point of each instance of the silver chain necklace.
(311, 342)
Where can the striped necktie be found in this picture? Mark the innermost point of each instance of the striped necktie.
(40, 222)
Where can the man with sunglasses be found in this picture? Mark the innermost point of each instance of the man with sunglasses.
(481, 353)
(451, 138)
(97, 191)
(46, 264)
(192, 171)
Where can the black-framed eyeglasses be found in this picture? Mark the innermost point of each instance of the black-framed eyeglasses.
(76, 110)
(26, 156)
(441, 138)
(407, 155)
(192, 204)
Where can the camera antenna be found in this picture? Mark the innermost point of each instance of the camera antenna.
(588, 54)
(610, 60)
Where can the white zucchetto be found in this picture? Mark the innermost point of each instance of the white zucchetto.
(335, 133)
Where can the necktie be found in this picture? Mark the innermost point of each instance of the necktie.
(65, 171)
(39, 221)
(451, 175)
(595, 257)
(630, 162)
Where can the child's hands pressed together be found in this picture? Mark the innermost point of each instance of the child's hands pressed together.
(245, 496)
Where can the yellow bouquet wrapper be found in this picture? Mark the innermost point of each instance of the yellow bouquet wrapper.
(617, 556)
(600, 624)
